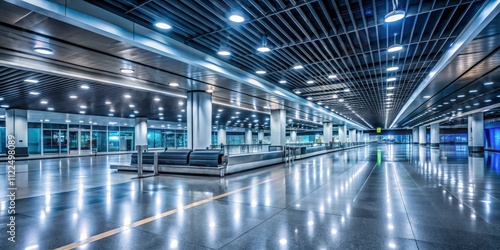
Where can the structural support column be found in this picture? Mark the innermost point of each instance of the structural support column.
(260, 135)
(199, 119)
(141, 131)
(221, 135)
(293, 136)
(415, 135)
(16, 124)
(278, 127)
(342, 133)
(435, 135)
(475, 133)
(352, 135)
(248, 136)
(327, 132)
(422, 135)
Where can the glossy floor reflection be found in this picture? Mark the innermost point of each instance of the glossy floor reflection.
(377, 197)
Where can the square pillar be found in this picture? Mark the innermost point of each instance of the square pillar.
(435, 135)
(475, 133)
(422, 133)
(278, 127)
(327, 132)
(16, 124)
(199, 119)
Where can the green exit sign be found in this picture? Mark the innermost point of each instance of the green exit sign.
(379, 130)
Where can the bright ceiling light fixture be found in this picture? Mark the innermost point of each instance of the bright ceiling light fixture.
(333, 76)
(393, 68)
(390, 87)
(127, 70)
(298, 66)
(43, 51)
(173, 84)
(34, 93)
(263, 47)
(31, 80)
(282, 81)
(237, 17)
(84, 86)
(224, 50)
(310, 82)
(395, 47)
(163, 25)
(260, 72)
(298, 92)
(394, 15)
(391, 79)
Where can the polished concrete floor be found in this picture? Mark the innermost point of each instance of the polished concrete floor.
(376, 197)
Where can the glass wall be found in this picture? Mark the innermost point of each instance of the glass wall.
(155, 138)
(492, 138)
(113, 141)
(34, 138)
(3, 139)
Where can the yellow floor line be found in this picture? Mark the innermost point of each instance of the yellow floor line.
(164, 214)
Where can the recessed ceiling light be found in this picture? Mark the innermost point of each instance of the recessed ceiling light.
(390, 94)
(131, 106)
(68, 121)
(111, 110)
(282, 81)
(173, 84)
(50, 109)
(44, 102)
(452, 100)
(461, 96)
(43, 51)
(135, 111)
(107, 102)
(4, 106)
(393, 68)
(83, 106)
(73, 96)
(157, 99)
(31, 80)
(127, 70)
(237, 18)
(394, 16)
(224, 51)
(80, 120)
(391, 79)
(210, 91)
(310, 82)
(473, 91)
(487, 100)
(390, 87)
(1, 98)
(219, 110)
(298, 66)
(163, 25)
(84, 86)
(160, 108)
(260, 72)
(476, 104)
(127, 96)
(394, 48)
(488, 83)
(427, 96)
(82, 112)
(181, 103)
(341, 100)
(332, 77)
(298, 92)
(34, 93)
(319, 103)
(309, 98)
(131, 115)
(46, 120)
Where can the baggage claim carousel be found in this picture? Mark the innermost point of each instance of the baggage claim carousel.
(215, 162)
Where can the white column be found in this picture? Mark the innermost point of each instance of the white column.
(278, 127)
(141, 131)
(352, 135)
(260, 135)
(16, 124)
(248, 136)
(435, 135)
(293, 136)
(415, 135)
(199, 119)
(475, 133)
(342, 133)
(422, 133)
(221, 135)
(327, 132)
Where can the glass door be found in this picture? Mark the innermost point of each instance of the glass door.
(51, 141)
(85, 141)
(63, 142)
(73, 142)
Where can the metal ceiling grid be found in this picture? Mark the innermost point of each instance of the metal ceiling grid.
(346, 38)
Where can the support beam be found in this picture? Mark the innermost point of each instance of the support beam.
(16, 125)
(199, 119)
(422, 135)
(475, 133)
(435, 135)
(278, 127)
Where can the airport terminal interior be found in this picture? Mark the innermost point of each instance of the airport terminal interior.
(249, 124)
